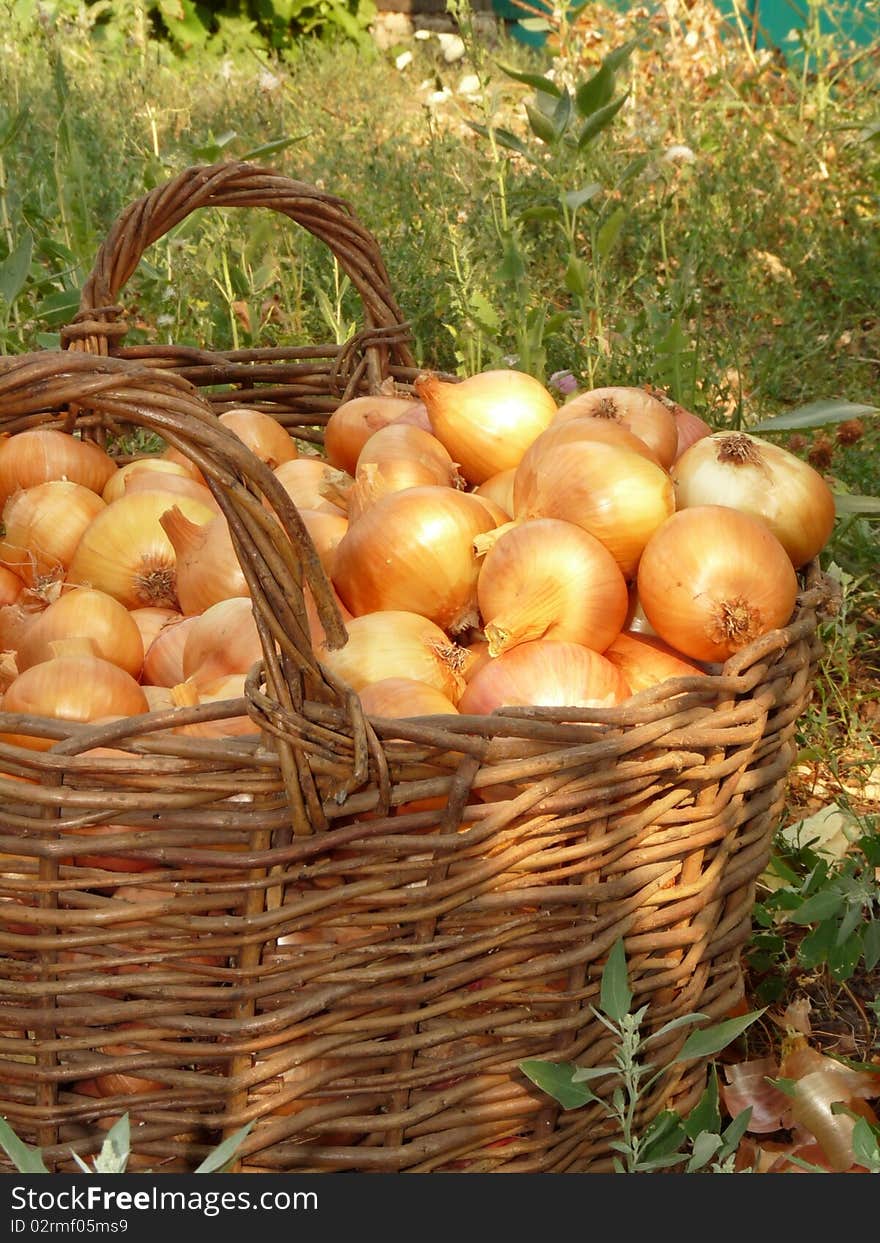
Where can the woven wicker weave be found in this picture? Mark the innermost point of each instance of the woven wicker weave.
(349, 931)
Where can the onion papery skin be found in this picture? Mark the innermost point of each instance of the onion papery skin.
(548, 579)
(633, 408)
(263, 435)
(150, 621)
(488, 420)
(689, 426)
(126, 552)
(41, 454)
(174, 455)
(310, 481)
(616, 495)
(11, 587)
(42, 530)
(188, 695)
(163, 662)
(499, 488)
(375, 481)
(404, 442)
(396, 643)
(78, 688)
(352, 424)
(712, 580)
(763, 480)
(560, 434)
(171, 485)
(85, 613)
(208, 569)
(413, 551)
(404, 697)
(159, 468)
(545, 674)
(223, 640)
(645, 661)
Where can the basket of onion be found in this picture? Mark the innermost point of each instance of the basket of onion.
(328, 781)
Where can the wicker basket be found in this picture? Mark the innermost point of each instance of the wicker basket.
(351, 931)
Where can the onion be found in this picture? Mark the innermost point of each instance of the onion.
(85, 613)
(633, 408)
(352, 424)
(499, 488)
(636, 621)
(763, 480)
(488, 420)
(163, 662)
(413, 551)
(325, 531)
(221, 641)
(158, 697)
(43, 526)
(689, 427)
(126, 552)
(545, 674)
(565, 431)
(373, 482)
(712, 580)
(160, 469)
(171, 485)
(74, 685)
(188, 695)
(404, 697)
(174, 455)
(646, 661)
(11, 587)
(150, 621)
(616, 495)
(396, 457)
(308, 480)
(395, 643)
(42, 454)
(208, 569)
(548, 579)
(263, 435)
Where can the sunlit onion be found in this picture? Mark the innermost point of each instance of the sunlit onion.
(544, 674)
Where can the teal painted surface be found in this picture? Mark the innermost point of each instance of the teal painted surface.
(783, 24)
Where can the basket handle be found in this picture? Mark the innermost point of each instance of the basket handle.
(231, 184)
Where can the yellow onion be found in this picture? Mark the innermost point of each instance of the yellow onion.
(221, 641)
(616, 495)
(403, 441)
(689, 427)
(565, 432)
(90, 614)
(325, 530)
(547, 674)
(125, 551)
(761, 479)
(404, 697)
(548, 579)
(413, 551)
(158, 697)
(43, 526)
(150, 621)
(163, 662)
(395, 643)
(636, 621)
(712, 580)
(73, 685)
(633, 408)
(263, 435)
(42, 454)
(488, 420)
(11, 587)
(171, 485)
(174, 455)
(352, 424)
(499, 488)
(208, 569)
(188, 695)
(157, 467)
(474, 656)
(646, 661)
(311, 484)
(373, 482)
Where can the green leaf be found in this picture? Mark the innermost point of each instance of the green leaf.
(705, 1115)
(273, 147)
(853, 919)
(815, 414)
(871, 944)
(113, 1157)
(860, 506)
(537, 80)
(788, 1087)
(562, 113)
(817, 945)
(14, 269)
(541, 125)
(555, 1078)
(596, 92)
(10, 131)
(822, 905)
(576, 198)
(543, 212)
(25, 1159)
(733, 1133)
(183, 22)
(615, 997)
(866, 1149)
(662, 1137)
(600, 120)
(218, 1161)
(585, 1074)
(705, 1147)
(610, 232)
(683, 1020)
(843, 959)
(504, 138)
(577, 276)
(712, 1040)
